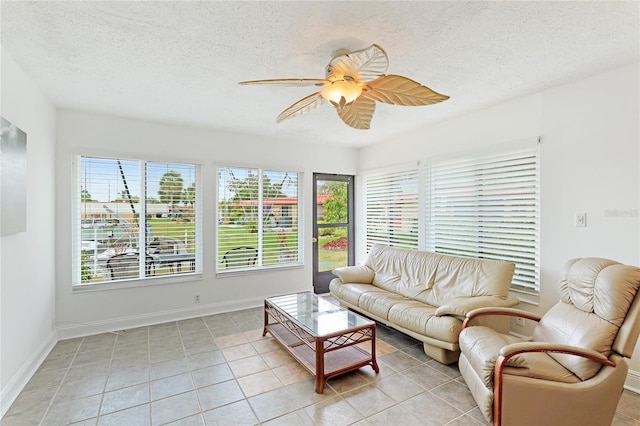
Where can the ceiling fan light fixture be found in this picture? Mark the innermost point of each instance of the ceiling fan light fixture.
(341, 92)
(353, 83)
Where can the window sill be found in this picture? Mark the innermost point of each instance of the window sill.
(223, 273)
(529, 299)
(137, 282)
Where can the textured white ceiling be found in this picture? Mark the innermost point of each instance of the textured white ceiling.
(180, 62)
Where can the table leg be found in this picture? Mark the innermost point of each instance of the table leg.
(266, 319)
(320, 379)
(374, 363)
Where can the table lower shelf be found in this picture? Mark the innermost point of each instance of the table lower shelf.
(337, 361)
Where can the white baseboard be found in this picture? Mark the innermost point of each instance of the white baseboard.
(633, 381)
(10, 392)
(72, 329)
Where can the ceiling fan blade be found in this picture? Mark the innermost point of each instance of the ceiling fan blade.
(368, 64)
(398, 90)
(288, 82)
(359, 113)
(307, 104)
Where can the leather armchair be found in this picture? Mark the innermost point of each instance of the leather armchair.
(573, 368)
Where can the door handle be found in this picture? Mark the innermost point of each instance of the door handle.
(314, 240)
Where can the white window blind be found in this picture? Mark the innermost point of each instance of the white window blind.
(170, 209)
(392, 208)
(258, 219)
(489, 208)
(119, 237)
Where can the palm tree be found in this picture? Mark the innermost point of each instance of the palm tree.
(189, 195)
(171, 187)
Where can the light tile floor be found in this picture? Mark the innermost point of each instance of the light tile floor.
(219, 370)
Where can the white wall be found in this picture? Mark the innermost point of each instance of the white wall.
(91, 134)
(27, 261)
(590, 154)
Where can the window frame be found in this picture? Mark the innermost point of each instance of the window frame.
(423, 173)
(519, 162)
(259, 266)
(382, 200)
(141, 189)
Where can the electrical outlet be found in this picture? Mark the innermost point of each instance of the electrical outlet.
(196, 298)
(581, 219)
(520, 321)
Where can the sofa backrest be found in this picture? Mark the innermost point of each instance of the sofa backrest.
(596, 311)
(436, 278)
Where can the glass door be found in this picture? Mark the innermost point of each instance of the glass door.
(333, 228)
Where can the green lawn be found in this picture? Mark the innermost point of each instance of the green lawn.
(331, 259)
(230, 237)
(233, 236)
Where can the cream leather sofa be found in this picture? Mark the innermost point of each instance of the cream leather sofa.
(425, 295)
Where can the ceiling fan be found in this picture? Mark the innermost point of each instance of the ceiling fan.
(353, 82)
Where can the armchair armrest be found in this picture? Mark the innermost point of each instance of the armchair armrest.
(462, 306)
(499, 311)
(514, 349)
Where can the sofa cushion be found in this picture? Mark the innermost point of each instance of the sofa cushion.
(379, 302)
(349, 292)
(402, 271)
(461, 277)
(421, 318)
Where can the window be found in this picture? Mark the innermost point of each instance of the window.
(482, 206)
(135, 220)
(258, 219)
(489, 208)
(392, 208)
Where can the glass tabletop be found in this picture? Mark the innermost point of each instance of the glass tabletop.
(316, 315)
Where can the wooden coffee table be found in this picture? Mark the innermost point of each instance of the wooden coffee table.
(320, 335)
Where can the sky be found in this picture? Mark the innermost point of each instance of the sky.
(104, 182)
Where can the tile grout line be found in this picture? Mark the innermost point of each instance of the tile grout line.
(193, 382)
(104, 386)
(53, 397)
(149, 372)
(246, 398)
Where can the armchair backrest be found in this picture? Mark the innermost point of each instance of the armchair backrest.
(627, 338)
(599, 309)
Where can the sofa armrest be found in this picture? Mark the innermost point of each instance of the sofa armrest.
(461, 306)
(360, 274)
